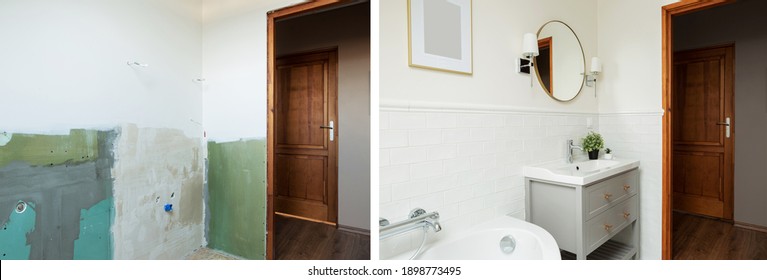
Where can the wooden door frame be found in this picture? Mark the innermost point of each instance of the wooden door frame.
(271, 61)
(668, 12)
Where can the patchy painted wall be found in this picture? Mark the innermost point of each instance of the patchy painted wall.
(154, 167)
(89, 188)
(237, 197)
(66, 184)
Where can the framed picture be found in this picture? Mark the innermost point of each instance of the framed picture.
(440, 35)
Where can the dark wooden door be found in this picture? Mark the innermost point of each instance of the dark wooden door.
(305, 129)
(702, 131)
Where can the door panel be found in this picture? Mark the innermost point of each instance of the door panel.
(702, 100)
(302, 97)
(305, 159)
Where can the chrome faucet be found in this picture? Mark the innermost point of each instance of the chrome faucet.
(570, 148)
(433, 223)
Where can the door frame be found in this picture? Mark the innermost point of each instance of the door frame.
(667, 192)
(271, 61)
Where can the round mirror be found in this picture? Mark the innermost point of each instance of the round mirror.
(560, 63)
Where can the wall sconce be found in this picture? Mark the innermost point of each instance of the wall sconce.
(591, 77)
(596, 68)
(529, 51)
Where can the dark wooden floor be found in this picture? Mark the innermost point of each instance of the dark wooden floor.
(699, 238)
(297, 239)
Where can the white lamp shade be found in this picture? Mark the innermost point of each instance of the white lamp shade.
(530, 45)
(596, 65)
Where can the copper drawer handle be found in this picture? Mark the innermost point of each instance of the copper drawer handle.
(607, 196)
(626, 215)
(626, 187)
(608, 227)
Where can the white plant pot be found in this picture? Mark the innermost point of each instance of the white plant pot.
(608, 156)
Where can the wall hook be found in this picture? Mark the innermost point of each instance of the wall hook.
(199, 80)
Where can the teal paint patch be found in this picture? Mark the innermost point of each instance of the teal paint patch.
(13, 236)
(95, 239)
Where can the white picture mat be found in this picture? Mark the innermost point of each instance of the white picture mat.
(418, 55)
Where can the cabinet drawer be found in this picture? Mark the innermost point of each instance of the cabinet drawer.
(605, 225)
(601, 196)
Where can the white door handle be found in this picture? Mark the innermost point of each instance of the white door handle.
(727, 126)
(330, 127)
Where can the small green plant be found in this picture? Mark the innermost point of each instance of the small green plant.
(607, 151)
(592, 142)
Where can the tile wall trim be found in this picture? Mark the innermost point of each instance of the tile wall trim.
(444, 107)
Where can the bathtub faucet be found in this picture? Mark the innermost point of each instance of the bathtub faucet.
(417, 219)
(434, 224)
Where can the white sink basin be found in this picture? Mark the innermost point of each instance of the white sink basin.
(579, 173)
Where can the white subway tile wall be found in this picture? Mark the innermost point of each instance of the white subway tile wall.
(467, 166)
(639, 136)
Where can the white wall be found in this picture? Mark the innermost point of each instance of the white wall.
(234, 66)
(64, 64)
(630, 48)
(349, 30)
(498, 27)
(630, 94)
(736, 23)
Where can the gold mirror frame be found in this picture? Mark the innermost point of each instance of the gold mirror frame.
(583, 57)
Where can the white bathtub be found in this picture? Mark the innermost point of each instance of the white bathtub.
(482, 242)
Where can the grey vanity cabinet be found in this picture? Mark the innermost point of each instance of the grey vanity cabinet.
(595, 221)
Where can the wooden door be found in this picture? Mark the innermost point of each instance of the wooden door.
(703, 103)
(306, 168)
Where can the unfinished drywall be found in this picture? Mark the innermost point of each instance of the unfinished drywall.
(56, 196)
(236, 182)
(349, 30)
(728, 24)
(154, 167)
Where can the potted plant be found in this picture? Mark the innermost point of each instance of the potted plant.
(608, 154)
(592, 143)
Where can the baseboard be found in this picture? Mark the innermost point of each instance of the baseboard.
(354, 230)
(751, 226)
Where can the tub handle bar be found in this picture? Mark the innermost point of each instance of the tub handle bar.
(419, 221)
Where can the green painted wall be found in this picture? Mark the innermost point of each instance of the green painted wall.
(237, 198)
(41, 150)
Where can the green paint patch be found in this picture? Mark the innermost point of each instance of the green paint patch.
(13, 235)
(237, 197)
(48, 150)
(95, 239)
